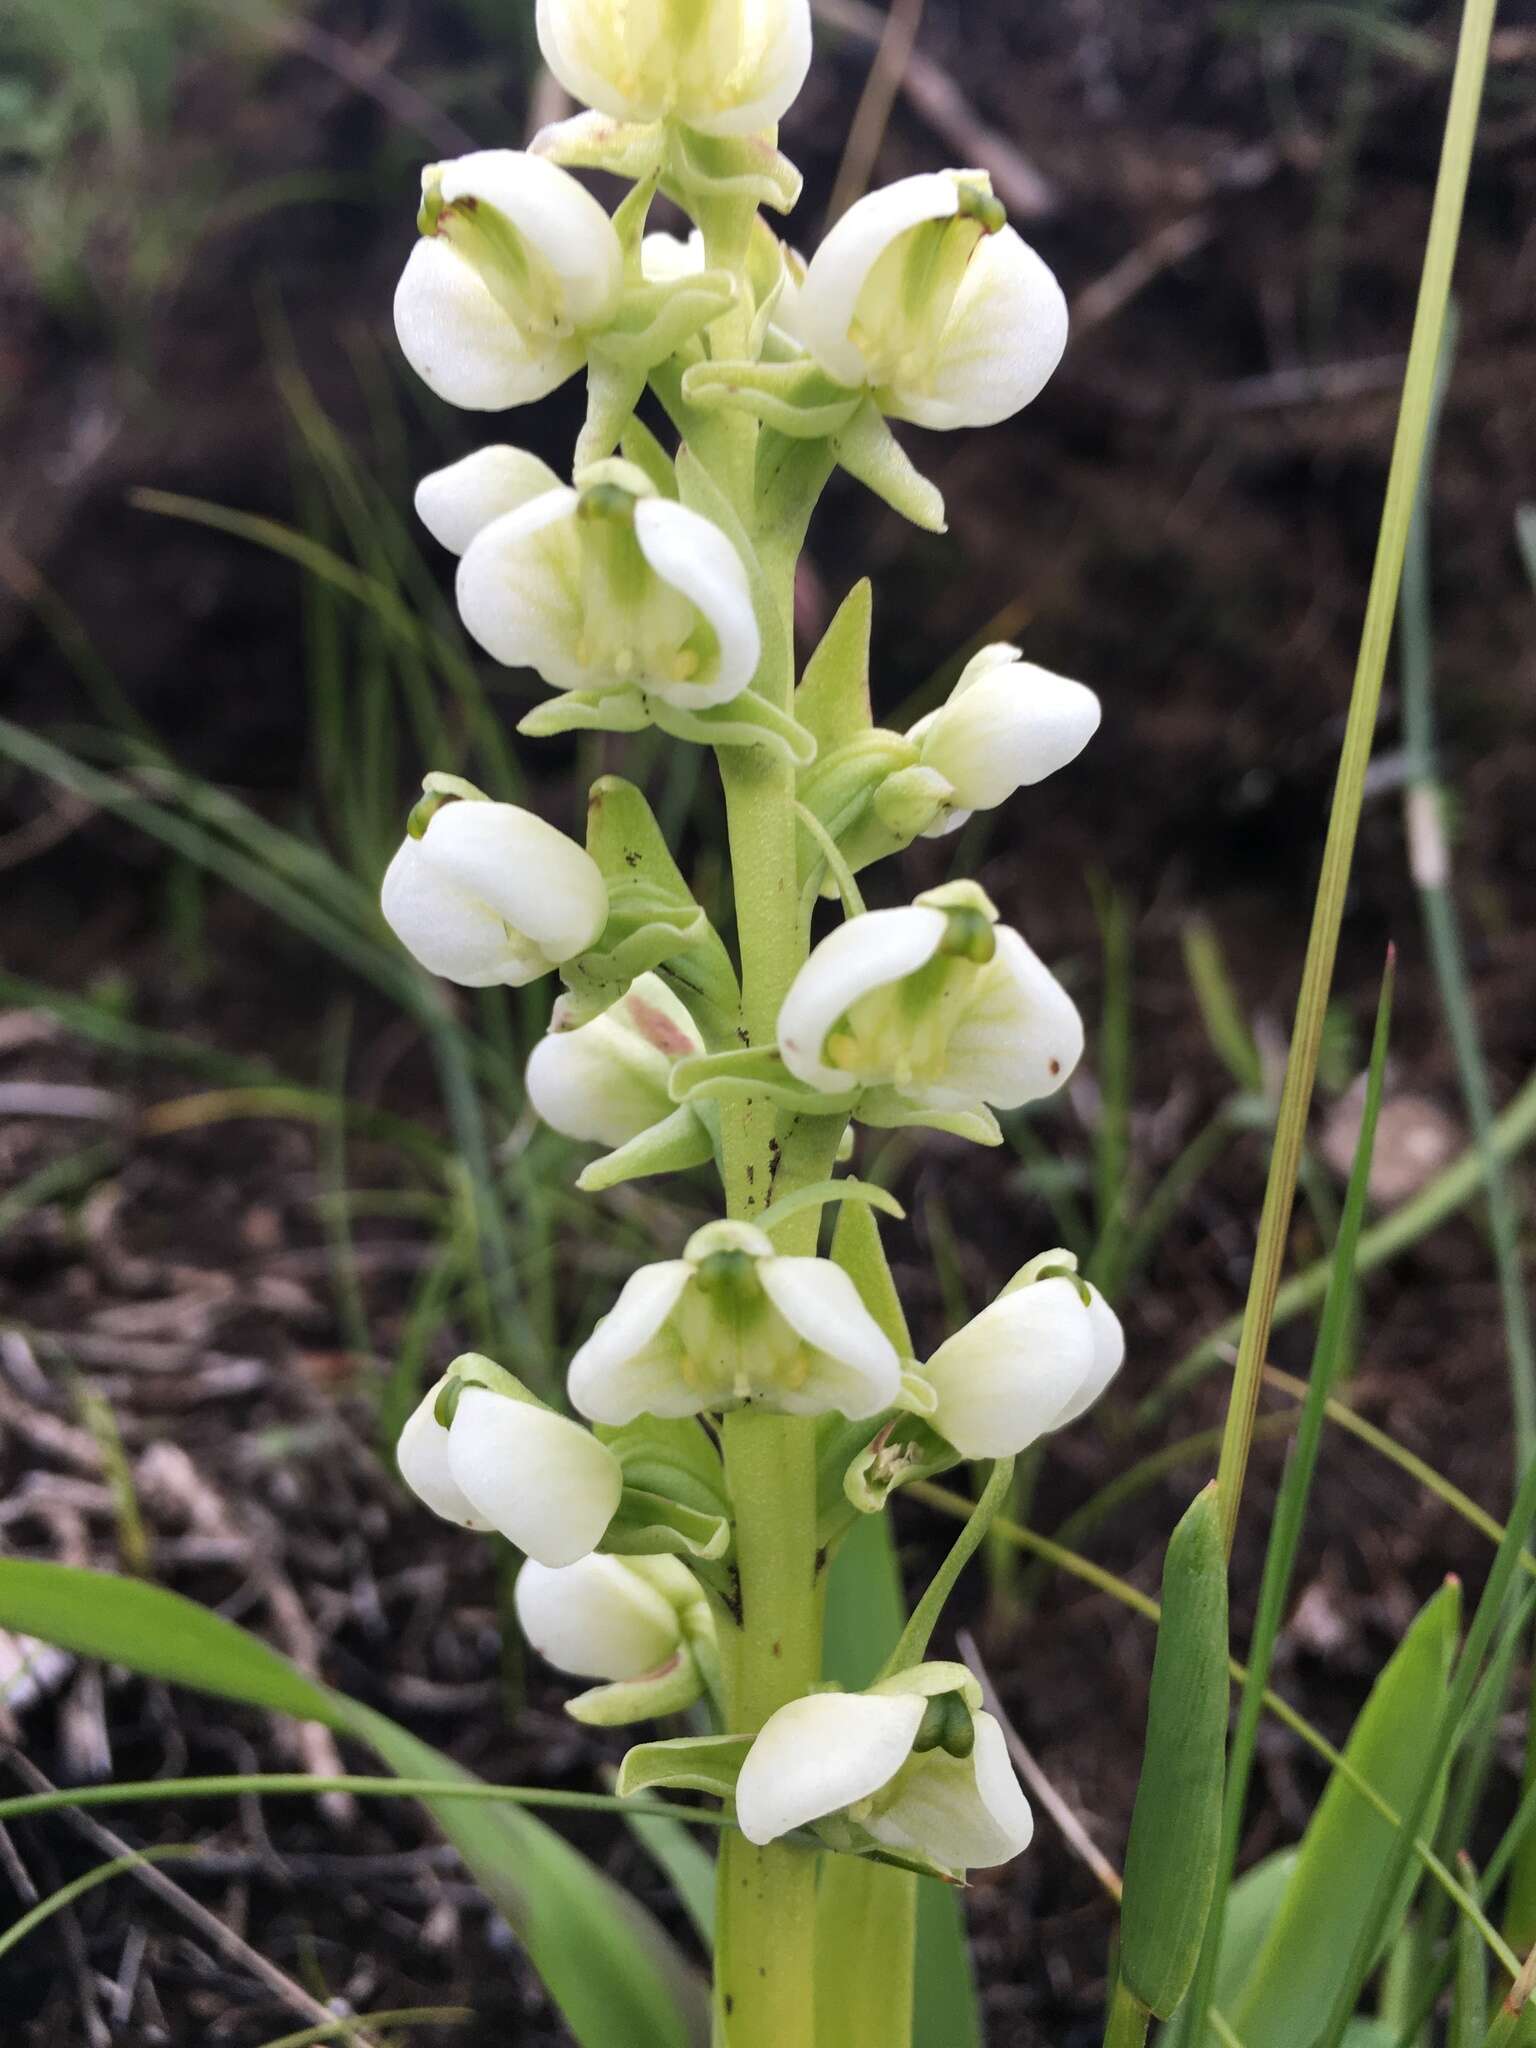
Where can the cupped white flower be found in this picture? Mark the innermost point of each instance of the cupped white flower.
(1032, 1361)
(605, 1617)
(913, 1763)
(936, 1007)
(1008, 723)
(725, 67)
(605, 1082)
(608, 586)
(490, 895)
(733, 1321)
(924, 295)
(516, 267)
(504, 1463)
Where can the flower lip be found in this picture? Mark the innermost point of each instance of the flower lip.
(862, 954)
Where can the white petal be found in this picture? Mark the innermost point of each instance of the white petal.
(695, 557)
(462, 344)
(665, 258)
(518, 589)
(455, 503)
(449, 932)
(1006, 332)
(820, 1754)
(967, 1814)
(530, 874)
(1019, 1037)
(626, 1368)
(559, 216)
(778, 37)
(863, 953)
(601, 53)
(1007, 728)
(837, 271)
(422, 1455)
(859, 1373)
(606, 1081)
(1004, 1379)
(595, 1619)
(1108, 1357)
(545, 1482)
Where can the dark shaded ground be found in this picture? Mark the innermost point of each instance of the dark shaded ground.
(1185, 519)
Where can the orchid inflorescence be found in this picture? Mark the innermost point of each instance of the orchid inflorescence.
(654, 588)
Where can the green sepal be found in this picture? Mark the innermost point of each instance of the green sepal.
(624, 710)
(652, 321)
(671, 1690)
(671, 1455)
(858, 1249)
(832, 700)
(747, 720)
(797, 397)
(474, 1369)
(703, 167)
(748, 1071)
(597, 142)
(868, 450)
(911, 800)
(839, 789)
(884, 1110)
(652, 1525)
(692, 1763)
(675, 1145)
(614, 385)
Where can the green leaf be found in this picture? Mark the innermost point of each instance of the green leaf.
(1307, 1952)
(1170, 1861)
(797, 398)
(610, 1968)
(818, 1194)
(691, 1763)
(833, 698)
(867, 1912)
(685, 1863)
(650, 1525)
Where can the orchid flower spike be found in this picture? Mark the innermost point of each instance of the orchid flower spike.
(1034, 1360)
(733, 1321)
(516, 267)
(642, 1624)
(603, 586)
(913, 1763)
(1007, 724)
(923, 295)
(933, 1011)
(488, 895)
(487, 1457)
(725, 67)
(605, 1082)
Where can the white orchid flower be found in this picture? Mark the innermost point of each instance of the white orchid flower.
(1031, 1362)
(604, 586)
(665, 258)
(489, 895)
(605, 1082)
(913, 1762)
(516, 267)
(923, 295)
(936, 1008)
(641, 1624)
(733, 1321)
(511, 1464)
(725, 67)
(1008, 723)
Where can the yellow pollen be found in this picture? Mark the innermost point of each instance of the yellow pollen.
(685, 665)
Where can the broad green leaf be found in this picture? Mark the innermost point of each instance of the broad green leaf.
(1170, 1861)
(1306, 1955)
(1252, 1904)
(866, 1926)
(685, 1863)
(612, 1971)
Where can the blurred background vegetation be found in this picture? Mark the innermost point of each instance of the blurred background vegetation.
(258, 1177)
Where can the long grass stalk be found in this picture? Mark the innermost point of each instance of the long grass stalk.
(1349, 794)
(1289, 1518)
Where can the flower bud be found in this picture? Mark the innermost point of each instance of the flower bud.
(924, 296)
(936, 1008)
(490, 895)
(606, 1617)
(732, 1321)
(606, 1082)
(1008, 723)
(725, 67)
(506, 1462)
(1031, 1362)
(606, 586)
(913, 1763)
(516, 266)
